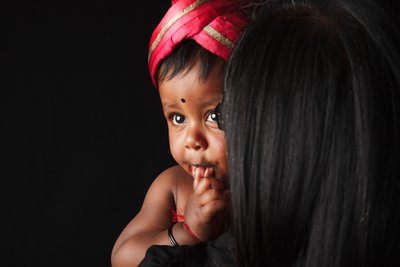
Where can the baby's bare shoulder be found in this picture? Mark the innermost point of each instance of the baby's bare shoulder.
(174, 175)
(168, 186)
(174, 180)
(174, 170)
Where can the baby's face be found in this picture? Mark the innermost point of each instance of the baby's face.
(189, 107)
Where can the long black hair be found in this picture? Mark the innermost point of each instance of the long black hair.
(311, 110)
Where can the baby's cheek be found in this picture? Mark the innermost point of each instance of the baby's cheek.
(176, 149)
(174, 153)
(221, 147)
(220, 153)
(224, 167)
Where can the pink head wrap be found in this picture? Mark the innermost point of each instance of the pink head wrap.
(213, 24)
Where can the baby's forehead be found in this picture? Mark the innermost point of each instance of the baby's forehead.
(194, 75)
(190, 87)
(186, 56)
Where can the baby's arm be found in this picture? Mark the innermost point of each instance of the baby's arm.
(149, 226)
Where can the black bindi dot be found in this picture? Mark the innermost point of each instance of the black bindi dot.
(183, 100)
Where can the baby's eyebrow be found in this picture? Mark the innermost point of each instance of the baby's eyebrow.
(213, 101)
(205, 103)
(168, 105)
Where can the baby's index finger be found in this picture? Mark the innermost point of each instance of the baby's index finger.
(198, 173)
(209, 172)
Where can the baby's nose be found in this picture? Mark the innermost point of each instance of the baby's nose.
(196, 139)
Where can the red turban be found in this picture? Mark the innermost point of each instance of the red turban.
(213, 24)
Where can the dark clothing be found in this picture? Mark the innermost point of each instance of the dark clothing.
(219, 252)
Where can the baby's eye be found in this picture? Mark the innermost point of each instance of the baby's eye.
(213, 116)
(178, 119)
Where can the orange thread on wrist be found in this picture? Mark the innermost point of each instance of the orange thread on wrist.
(176, 217)
(190, 232)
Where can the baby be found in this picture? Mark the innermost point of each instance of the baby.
(187, 203)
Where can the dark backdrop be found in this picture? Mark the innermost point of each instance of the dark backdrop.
(83, 134)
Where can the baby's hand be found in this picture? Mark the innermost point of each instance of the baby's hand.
(206, 208)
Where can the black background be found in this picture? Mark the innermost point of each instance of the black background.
(83, 134)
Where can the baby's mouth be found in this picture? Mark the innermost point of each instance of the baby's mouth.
(204, 166)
